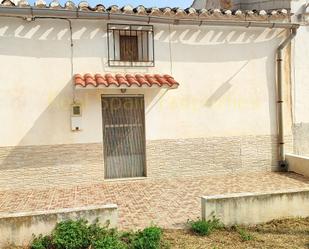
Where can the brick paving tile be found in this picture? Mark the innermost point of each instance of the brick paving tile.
(165, 202)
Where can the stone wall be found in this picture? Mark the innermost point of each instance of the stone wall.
(195, 157)
(57, 165)
(52, 165)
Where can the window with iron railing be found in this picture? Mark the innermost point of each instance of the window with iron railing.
(130, 45)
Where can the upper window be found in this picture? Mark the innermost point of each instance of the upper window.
(128, 48)
(130, 45)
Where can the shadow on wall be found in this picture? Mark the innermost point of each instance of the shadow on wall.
(223, 88)
(54, 126)
(90, 42)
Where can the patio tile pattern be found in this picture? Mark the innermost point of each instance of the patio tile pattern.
(166, 202)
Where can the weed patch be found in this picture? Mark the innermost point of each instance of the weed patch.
(244, 234)
(205, 227)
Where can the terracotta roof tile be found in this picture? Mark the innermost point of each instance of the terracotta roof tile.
(141, 79)
(176, 13)
(79, 80)
(111, 80)
(89, 80)
(124, 80)
(132, 80)
(100, 80)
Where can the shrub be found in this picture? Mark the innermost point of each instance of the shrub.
(108, 242)
(41, 242)
(204, 227)
(71, 235)
(245, 235)
(96, 232)
(79, 235)
(127, 237)
(149, 238)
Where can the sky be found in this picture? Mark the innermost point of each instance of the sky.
(134, 3)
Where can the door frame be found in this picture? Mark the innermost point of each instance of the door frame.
(144, 135)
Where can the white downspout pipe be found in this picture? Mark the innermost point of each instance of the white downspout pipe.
(287, 41)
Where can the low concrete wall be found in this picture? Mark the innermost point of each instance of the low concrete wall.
(17, 229)
(249, 209)
(298, 164)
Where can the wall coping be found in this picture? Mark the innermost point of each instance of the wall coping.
(297, 156)
(56, 211)
(250, 194)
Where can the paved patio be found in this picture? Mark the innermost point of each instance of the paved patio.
(166, 202)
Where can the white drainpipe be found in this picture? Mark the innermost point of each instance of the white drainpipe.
(287, 41)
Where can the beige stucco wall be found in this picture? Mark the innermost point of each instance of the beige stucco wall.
(227, 90)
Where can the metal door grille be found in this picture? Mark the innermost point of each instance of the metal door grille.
(123, 136)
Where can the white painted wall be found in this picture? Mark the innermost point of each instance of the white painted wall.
(300, 74)
(227, 81)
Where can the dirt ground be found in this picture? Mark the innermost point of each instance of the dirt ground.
(289, 233)
(292, 234)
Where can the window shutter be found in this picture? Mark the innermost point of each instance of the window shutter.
(128, 48)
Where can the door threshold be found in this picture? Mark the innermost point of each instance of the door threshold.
(127, 179)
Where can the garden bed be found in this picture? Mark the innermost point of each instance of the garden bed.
(289, 233)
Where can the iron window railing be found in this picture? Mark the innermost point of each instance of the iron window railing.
(130, 45)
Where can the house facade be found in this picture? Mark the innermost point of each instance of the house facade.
(94, 94)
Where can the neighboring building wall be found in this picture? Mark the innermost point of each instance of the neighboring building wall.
(265, 4)
(214, 4)
(301, 87)
(221, 119)
(242, 4)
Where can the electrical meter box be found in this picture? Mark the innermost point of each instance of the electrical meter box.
(76, 117)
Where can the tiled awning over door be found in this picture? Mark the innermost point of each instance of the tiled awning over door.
(124, 81)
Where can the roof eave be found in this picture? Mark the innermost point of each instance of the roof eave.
(35, 12)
